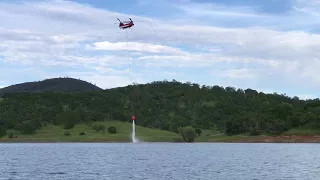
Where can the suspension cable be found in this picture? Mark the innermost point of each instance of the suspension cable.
(130, 72)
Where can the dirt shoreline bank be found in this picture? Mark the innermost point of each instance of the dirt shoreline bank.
(246, 139)
(279, 139)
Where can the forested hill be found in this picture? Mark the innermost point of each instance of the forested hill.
(52, 85)
(164, 105)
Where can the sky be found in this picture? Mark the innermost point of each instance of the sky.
(270, 45)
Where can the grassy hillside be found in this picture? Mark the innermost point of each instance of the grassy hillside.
(163, 105)
(53, 133)
(52, 85)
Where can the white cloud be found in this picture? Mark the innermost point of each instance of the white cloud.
(58, 33)
(307, 96)
(111, 70)
(238, 74)
(215, 9)
(135, 46)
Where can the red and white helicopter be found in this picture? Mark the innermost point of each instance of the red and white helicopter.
(125, 24)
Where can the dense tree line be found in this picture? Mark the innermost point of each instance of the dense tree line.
(163, 105)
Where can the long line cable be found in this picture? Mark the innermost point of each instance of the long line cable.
(130, 71)
(130, 68)
(128, 58)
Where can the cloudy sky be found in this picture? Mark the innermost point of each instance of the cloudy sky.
(269, 45)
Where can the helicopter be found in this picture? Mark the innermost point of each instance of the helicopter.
(125, 24)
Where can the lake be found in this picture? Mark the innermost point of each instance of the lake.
(225, 161)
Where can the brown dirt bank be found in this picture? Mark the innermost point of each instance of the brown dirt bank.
(226, 139)
(278, 139)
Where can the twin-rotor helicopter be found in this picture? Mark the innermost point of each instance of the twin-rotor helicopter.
(125, 24)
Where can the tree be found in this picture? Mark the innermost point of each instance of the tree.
(198, 131)
(69, 119)
(112, 129)
(2, 131)
(165, 105)
(10, 134)
(188, 133)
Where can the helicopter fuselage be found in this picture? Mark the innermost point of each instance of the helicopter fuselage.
(126, 25)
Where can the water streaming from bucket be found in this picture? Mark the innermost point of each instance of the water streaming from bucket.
(133, 135)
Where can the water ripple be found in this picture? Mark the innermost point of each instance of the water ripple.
(83, 161)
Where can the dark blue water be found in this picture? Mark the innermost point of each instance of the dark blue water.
(159, 161)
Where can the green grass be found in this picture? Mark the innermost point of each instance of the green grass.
(303, 130)
(208, 135)
(53, 133)
(215, 135)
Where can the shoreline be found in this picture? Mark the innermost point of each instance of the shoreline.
(225, 139)
(278, 139)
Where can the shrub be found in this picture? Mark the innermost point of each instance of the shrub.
(10, 134)
(112, 129)
(102, 127)
(95, 127)
(69, 119)
(69, 125)
(276, 128)
(254, 131)
(188, 133)
(82, 133)
(26, 127)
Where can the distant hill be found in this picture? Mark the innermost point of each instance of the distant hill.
(165, 105)
(52, 85)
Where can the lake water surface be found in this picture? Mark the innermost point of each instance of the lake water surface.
(168, 161)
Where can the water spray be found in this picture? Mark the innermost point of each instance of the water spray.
(133, 134)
